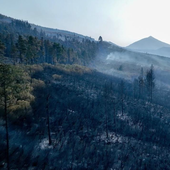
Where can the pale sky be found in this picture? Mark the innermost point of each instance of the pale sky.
(119, 21)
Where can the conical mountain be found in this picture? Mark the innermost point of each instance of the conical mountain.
(147, 44)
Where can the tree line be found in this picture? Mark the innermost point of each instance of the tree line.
(25, 44)
(31, 50)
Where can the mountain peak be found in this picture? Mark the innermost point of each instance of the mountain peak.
(151, 37)
(147, 44)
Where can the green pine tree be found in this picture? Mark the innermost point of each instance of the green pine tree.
(2, 51)
(14, 94)
(21, 48)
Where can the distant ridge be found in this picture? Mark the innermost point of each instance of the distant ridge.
(60, 34)
(149, 43)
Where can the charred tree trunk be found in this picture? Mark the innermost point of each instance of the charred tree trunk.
(48, 119)
(6, 127)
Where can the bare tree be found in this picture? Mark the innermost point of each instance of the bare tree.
(48, 114)
(141, 83)
(150, 82)
(122, 94)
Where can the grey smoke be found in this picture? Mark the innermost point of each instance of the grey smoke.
(127, 65)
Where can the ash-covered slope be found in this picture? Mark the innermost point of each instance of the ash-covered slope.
(89, 128)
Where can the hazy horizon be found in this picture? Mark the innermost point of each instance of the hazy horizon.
(121, 22)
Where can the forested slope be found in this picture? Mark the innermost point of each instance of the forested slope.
(56, 113)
